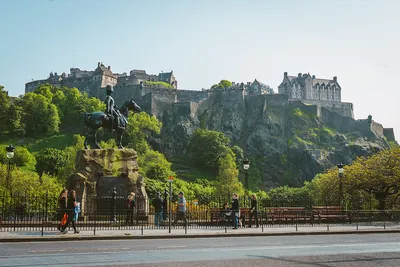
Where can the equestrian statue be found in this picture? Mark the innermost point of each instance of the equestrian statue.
(113, 119)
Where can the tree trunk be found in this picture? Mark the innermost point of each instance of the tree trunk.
(382, 203)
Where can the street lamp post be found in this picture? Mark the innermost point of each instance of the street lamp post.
(9, 154)
(341, 172)
(246, 166)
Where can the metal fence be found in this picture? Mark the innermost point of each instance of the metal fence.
(40, 213)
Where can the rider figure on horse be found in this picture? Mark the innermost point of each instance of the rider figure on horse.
(111, 112)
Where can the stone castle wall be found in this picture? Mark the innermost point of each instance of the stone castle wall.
(190, 95)
(342, 108)
(377, 129)
(389, 134)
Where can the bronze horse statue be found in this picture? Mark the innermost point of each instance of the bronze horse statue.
(95, 120)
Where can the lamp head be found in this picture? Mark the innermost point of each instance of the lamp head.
(340, 167)
(10, 151)
(246, 164)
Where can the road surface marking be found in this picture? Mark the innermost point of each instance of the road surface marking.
(172, 247)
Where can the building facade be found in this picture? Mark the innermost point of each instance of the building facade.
(310, 90)
(307, 87)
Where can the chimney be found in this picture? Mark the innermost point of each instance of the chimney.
(299, 75)
(285, 74)
(248, 83)
(98, 64)
(109, 67)
(335, 79)
(313, 76)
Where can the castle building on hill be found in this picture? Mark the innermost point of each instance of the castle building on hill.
(253, 88)
(315, 91)
(302, 88)
(158, 95)
(91, 82)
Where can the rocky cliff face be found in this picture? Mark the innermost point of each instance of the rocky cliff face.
(288, 142)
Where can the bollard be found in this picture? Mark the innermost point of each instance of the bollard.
(327, 227)
(357, 225)
(226, 228)
(47, 201)
(95, 219)
(142, 226)
(262, 222)
(114, 205)
(42, 222)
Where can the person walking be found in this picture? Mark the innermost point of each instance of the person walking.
(253, 210)
(181, 215)
(158, 209)
(130, 207)
(235, 210)
(71, 208)
(62, 208)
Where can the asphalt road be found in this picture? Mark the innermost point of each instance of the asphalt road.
(330, 250)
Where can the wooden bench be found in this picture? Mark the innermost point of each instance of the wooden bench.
(218, 215)
(286, 214)
(328, 214)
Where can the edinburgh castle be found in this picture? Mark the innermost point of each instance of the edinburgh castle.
(156, 93)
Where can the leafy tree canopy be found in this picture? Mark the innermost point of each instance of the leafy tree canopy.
(51, 161)
(223, 84)
(377, 175)
(141, 126)
(227, 179)
(154, 165)
(207, 147)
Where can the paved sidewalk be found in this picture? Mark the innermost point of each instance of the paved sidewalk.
(24, 236)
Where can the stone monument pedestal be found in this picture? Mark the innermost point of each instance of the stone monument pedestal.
(98, 171)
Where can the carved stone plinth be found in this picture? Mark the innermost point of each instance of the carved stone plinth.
(98, 171)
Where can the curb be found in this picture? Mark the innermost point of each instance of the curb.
(130, 237)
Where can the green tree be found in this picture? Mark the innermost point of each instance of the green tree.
(227, 179)
(4, 106)
(377, 176)
(284, 195)
(69, 167)
(154, 165)
(223, 84)
(51, 161)
(71, 104)
(207, 147)
(40, 116)
(141, 126)
(29, 183)
(14, 120)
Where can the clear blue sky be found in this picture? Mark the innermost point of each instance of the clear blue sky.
(206, 41)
